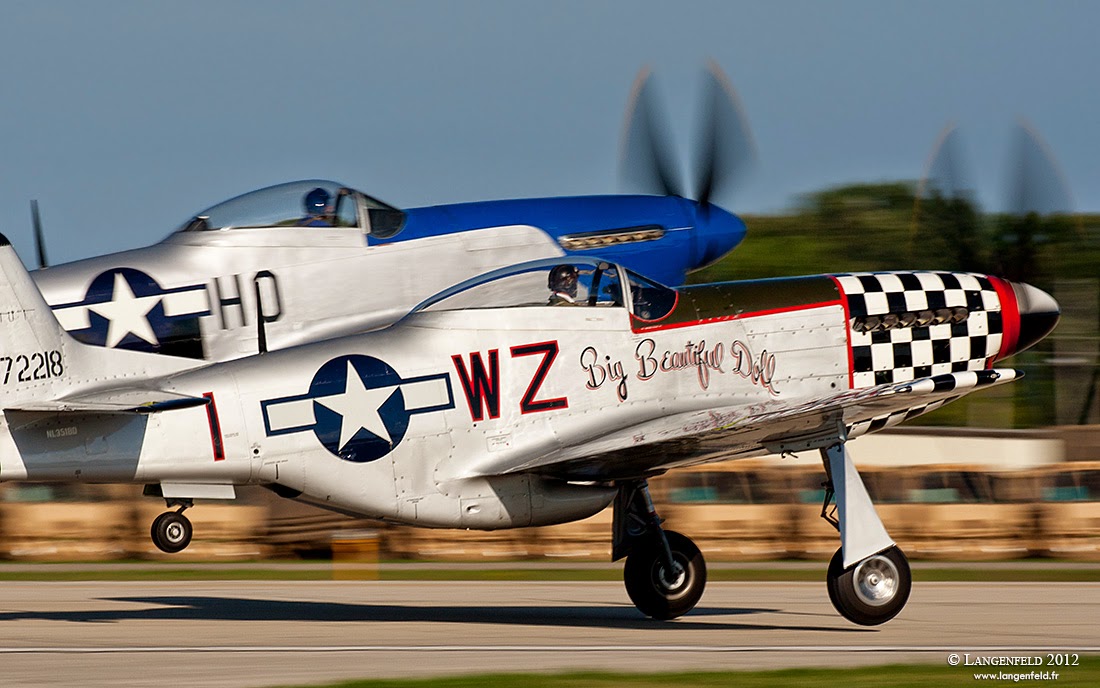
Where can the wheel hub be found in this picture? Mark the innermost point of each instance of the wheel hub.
(674, 582)
(876, 580)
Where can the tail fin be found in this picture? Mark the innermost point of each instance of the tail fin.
(27, 325)
(40, 361)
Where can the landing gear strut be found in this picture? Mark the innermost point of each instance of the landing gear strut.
(868, 579)
(171, 531)
(664, 573)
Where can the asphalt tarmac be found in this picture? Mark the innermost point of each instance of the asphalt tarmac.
(268, 633)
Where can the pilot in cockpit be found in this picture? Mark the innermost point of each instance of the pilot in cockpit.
(563, 286)
(318, 209)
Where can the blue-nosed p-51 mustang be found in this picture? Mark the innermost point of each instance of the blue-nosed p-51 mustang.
(535, 394)
(270, 260)
(314, 259)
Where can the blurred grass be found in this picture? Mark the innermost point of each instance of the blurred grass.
(896, 675)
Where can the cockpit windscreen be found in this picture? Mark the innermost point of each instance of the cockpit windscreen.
(309, 203)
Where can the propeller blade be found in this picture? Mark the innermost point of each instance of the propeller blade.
(647, 162)
(1038, 185)
(944, 173)
(726, 148)
(946, 208)
(39, 238)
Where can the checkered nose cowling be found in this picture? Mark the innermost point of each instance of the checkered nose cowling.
(909, 325)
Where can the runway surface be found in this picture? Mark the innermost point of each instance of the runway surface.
(250, 633)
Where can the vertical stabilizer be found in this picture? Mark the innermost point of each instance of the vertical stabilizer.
(26, 323)
(40, 361)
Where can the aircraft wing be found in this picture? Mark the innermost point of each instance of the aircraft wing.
(755, 430)
(115, 401)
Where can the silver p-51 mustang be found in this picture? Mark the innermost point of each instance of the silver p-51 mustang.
(532, 395)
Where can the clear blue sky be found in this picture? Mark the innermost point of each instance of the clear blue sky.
(124, 118)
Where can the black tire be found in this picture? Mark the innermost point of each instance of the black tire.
(171, 532)
(872, 591)
(644, 575)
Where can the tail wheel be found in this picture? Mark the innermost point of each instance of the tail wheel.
(872, 591)
(171, 532)
(660, 593)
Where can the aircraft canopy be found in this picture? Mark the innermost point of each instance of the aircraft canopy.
(307, 203)
(565, 281)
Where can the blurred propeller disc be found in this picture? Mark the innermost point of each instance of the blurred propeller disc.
(1036, 183)
(646, 160)
(725, 147)
(947, 209)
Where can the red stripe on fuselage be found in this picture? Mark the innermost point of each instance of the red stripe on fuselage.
(1010, 317)
(847, 333)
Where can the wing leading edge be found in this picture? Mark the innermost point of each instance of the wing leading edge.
(745, 431)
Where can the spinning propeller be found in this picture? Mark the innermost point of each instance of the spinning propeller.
(725, 146)
(946, 206)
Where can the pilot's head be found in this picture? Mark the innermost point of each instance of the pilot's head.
(317, 201)
(563, 280)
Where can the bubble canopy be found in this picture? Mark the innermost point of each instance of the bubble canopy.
(589, 282)
(306, 203)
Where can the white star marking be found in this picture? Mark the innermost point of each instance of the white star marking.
(358, 407)
(126, 313)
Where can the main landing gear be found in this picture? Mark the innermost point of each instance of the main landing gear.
(868, 579)
(664, 573)
(171, 531)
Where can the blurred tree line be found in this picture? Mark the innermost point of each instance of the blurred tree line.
(868, 227)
